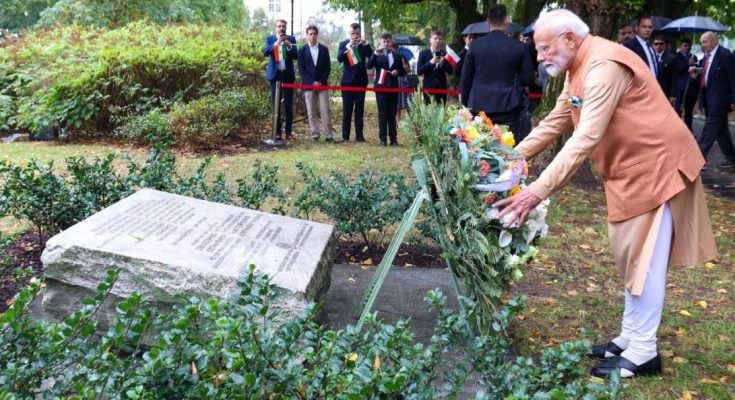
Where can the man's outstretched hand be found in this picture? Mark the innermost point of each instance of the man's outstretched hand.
(516, 208)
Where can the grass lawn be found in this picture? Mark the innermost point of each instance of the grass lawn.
(573, 283)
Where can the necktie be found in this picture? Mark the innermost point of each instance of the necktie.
(703, 77)
(654, 67)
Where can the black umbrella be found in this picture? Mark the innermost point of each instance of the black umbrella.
(478, 28)
(514, 28)
(406, 40)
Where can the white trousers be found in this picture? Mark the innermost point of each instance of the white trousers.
(642, 315)
(318, 100)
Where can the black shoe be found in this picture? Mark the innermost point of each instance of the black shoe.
(726, 164)
(606, 368)
(329, 140)
(599, 351)
(394, 144)
(361, 139)
(315, 138)
(383, 143)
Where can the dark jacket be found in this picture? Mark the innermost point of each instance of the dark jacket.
(270, 70)
(719, 93)
(380, 61)
(462, 55)
(681, 73)
(637, 48)
(357, 75)
(495, 71)
(434, 77)
(308, 71)
(666, 74)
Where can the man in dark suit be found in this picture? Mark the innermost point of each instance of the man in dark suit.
(462, 54)
(432, 66)
(625, 34)
(640, 45)
(314, 68)
(281, 52)
(665, 61)
(353, 54)
(716, 75)
(388, 67)
(687, 89)
(495, 72)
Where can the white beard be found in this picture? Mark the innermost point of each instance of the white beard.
(560, 67)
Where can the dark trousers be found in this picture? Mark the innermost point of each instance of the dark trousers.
(438, 98)
(688, 104)
(387, 107)
(716, 128)
(286, 107)
(513, 120)
(352, 101)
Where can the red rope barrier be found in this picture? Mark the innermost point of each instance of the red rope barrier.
(451, 92)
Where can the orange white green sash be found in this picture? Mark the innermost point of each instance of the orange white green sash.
(353, 57)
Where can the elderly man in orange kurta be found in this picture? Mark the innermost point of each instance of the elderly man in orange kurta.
(649, 163)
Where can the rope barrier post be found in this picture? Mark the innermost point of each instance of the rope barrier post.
(276, 115)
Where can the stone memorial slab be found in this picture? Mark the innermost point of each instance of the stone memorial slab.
(168, 247)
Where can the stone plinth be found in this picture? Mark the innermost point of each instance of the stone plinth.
(170, 247)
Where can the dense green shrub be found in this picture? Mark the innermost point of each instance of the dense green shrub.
(151, 127)
(88, 78)
(260, 185)
(217, 349)
(368, 206)
(214, 120)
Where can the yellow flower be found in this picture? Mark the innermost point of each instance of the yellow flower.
(516, 189)
(472, 133)
(507, 139)
(351, 357)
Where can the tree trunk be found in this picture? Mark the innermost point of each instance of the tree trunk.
(466, 13)
(527, 11)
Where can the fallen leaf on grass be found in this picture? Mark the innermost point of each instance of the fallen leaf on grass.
(667, 353)
(724, 338)
(679, 360)
(686, 395)
(597, 380)
(724, 379)
(722, 291)
(369, 261)
(364, 249)
(685, 313)
(572, 292)
(351, 280)
(708, 381)
(590, 231)
(701, 304)
(731, 368)
(585, 246)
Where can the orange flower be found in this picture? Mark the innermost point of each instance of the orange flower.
(488, 121)
(484, 168)
(490, 198)
(516, 189)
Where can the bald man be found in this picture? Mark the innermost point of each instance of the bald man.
(655, 203)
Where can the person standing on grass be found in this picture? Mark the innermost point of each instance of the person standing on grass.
(388, 67)
(281, 52)
(353, 54)
(434, 68)
(314, 68)
(657, 214)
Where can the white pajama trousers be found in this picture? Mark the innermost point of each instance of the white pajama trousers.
(642, 315)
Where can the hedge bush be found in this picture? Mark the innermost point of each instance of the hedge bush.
(213, 120)
(88, 78)
(218, 349)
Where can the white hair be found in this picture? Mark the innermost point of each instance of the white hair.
(563, 21)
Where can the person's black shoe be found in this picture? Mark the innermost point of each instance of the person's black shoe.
(726, 164)
(315, 138)
(361, 140)
(599, 352)
(606, 368)
(329, 140)
(383, 143)
(394, 144)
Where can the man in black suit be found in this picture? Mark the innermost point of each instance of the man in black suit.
(432, 66)
(388, 67)
(687, 89)
(625, 34)
(640, 45)
(716, 75)
(281, 52)
(665, 61)
(462, 54)
(314, 67)
(495, 72)
(353, 54)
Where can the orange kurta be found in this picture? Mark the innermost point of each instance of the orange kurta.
(642, 150)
